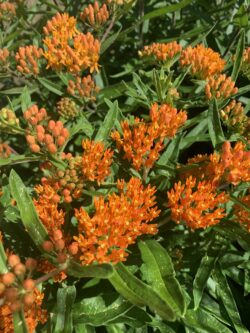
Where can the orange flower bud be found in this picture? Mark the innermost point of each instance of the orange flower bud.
(29, 284)
(20, 269)
(57, 234)
(13, 260)
(28, 300)
(8, 278)
(59, 244)
(35, 148)
(31, 264)
(48, 246)
(52, 148)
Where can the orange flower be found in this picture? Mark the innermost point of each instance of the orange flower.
(94, 15)
(96, 161)
(243, 216)
(4, 54)
(5, 150)
(196, 203)
(161, 51)
(84, 86)
(117, 223)
(7, 10)
(27, 58)
(204, 61)
(47, 208)
(46, 267)
(220, 87)
(33, 315)
(142, 142)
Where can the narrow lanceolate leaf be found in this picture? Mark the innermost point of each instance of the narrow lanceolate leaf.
(82, 125)
(51, 86)
(238, 56)
(214, 124)
(202, 321)
(227, 299)
(19, 322)
(18, 159)
(139, 293)
(204, 271)
(3, 259)
(27, 209)
(159, 272)
(95, 312)
(65, 300)
(103, 271)
(108, 122)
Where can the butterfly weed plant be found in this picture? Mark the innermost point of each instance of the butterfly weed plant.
(125, 166)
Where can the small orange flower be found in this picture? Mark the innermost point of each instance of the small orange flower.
(27, 58)
(196, 203)
(7, 10)
(96, 161)
(142, 142)
(117, 223)
(4, 54)
(220, 87)
(204, 61)
(161, 51)
(47, 208)
(5, 150)
(94, 15)
(243, 216)
(84, 86)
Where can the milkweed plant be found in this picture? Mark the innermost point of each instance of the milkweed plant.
(125, 166)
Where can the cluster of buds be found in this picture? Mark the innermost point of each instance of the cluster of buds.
(196, 203)
(245, 65)
(67, 108)
(84, 87)
(16, 286)
(5, 150)
(8, 120)
(204, 61)
(142, 142)
(4, 54)
(220, 87)
(7, 10)
(161, 51)
(234, 117)
(68, 183)
(27, 59)
(57, 245)
(94, 15)
(68, 48)
(43, 133)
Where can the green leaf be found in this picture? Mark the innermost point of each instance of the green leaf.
(65, 300)
(109, 41)
(81, 328)
(82, 125)
(172, 151)
(139, 293)
(203, 322)
(227, 299)
(103, 271)
(108, 122)
(241, 17)
(51, 86)
(238, 56)
(94, 311)
(18, 159)
(214, 124)
(3, 260)
(159, 272)
(19, 322)
(27, 210)
(203, 273)
(25, 99)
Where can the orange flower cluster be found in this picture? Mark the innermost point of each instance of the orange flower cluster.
(67, 108)
(234, 117)
(243, 216)
(4, 54)
(27, 58)
(196, 203)
(94, 15)
(161, 51)
(204, 61)
(5, 150)
(220, 87)
(84, 87)
(7, 10)
(245, 65)
(142, 141)
(47, 208)
(61, 35)
(96, 161)
(44, 134)
(231, 166)
(117, 223)
(17, 291)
